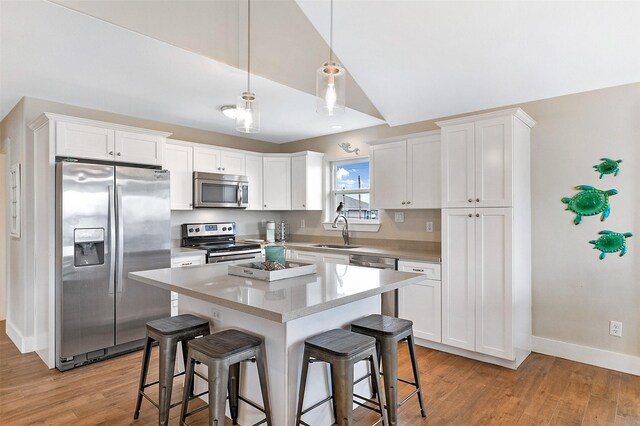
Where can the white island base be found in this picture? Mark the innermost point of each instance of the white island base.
(284, 344)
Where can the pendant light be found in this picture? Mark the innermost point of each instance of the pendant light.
(247, 112)
(330, 83)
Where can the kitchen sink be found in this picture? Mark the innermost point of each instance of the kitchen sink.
(334, 246)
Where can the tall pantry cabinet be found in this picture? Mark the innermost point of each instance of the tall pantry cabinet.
(486, 235)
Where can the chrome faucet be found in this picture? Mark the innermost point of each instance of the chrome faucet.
(345, 229)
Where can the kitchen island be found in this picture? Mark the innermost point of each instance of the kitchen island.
(285, 312)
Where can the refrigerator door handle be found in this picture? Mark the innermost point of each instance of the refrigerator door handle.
(120, 239)
(112, 236)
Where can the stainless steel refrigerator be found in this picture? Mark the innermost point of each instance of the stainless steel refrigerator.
(111, 220)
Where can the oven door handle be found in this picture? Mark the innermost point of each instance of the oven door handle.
(231, 253)
(220, 259)
(372, 265)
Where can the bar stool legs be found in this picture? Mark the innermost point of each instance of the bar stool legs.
(146, 357)
(416, 374)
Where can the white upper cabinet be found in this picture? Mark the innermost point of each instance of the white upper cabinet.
(276, 183)
(406, 173)
(80, 138)
(306, 181)
(178, 160)
(213, 160)
(478, 158)
(253, 165)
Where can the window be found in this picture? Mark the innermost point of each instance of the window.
(350, 185)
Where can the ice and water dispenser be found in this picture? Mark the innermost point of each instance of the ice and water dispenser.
(88, 246)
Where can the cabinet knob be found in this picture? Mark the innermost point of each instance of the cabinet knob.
(403, 203)
(477, 200)
(219, 168)
(110, 152)
(118, 154)
(408, 202)
(223, 169)
(304, 205)
(265, 205)
(477, 214)
(470, 215)
(471, 200)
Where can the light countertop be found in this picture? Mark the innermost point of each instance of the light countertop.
(280, 301)
(402, 254)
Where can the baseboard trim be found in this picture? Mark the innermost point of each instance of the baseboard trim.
(513, 365)
(24, 344)
(599, 357)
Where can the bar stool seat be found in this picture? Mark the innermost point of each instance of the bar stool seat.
(168, 332)
(388, 332)
(341, 349)
(222, 353)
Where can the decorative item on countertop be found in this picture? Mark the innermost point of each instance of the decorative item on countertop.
(270, 232)
(274, 253)
(259, 271)
(611, 242)
(607, 167)
(589, 202)
(346, 147)
(282, 231)
(272, 265)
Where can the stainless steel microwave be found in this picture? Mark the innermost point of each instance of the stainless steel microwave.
(220, 190)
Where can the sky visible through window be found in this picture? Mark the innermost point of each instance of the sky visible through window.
(347, 175)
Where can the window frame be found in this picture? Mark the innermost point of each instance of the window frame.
(333, 193)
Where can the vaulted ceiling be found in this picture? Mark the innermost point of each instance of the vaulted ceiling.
(408, 60)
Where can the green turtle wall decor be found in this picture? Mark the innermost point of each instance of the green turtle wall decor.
(607, 167)
(611, 242)
(589, 202)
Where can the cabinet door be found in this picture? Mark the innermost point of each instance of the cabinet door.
(277, 183)
(179, 162)
(232, 163)
(420, 303)
(458, 278)
(494, 162)
(139, 148)
(423, 172)
(458, 166)
(206, 160)
(299, 183)
(78, 140)
(389, 175)
(494, 302)
(253, 170)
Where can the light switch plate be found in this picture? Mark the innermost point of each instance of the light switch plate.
(429, 226)
(399, 217)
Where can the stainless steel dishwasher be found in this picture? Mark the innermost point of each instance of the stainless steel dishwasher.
(390, 298)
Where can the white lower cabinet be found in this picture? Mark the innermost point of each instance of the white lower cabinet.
(477, 281)
(313, 256)
(421, 303)
(182, 262)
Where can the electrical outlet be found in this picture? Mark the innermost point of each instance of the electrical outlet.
(399, 217)
(429, 226)
(215, 314)
(615, 328)
(302, 223)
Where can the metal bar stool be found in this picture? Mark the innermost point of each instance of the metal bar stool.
(341, 349)
(388, 332)
(222, 353)
(167, 332)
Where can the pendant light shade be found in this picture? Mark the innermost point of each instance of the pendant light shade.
(331, 82)
(330, 89)
(248, 114)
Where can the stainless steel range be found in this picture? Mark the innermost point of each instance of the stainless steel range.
(219, 240)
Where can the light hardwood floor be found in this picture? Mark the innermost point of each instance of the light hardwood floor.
(458, 391)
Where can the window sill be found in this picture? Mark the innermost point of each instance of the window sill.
(373, 226)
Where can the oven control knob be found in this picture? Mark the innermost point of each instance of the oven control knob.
(190, 229)
(197, 229)
(224, 229)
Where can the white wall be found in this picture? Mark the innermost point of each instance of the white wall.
(3, 233)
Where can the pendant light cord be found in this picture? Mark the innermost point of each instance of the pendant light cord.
(248, 45)
(331, 35)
